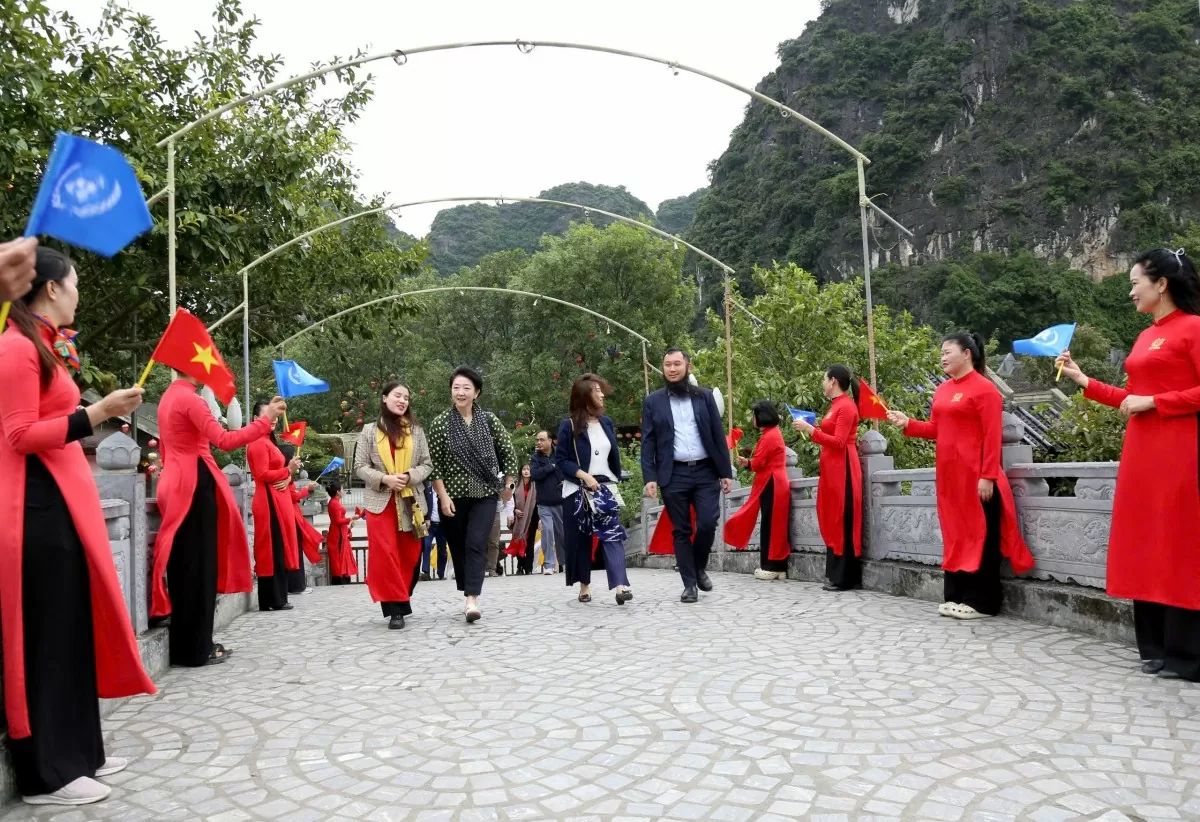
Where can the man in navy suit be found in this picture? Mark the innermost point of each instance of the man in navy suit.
(684, 454)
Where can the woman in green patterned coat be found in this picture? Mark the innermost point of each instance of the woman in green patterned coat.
(473, 469)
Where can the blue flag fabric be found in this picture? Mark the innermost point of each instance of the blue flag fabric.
(89, 197)
(294, 381)
(334, 465)
(1050, 343)
(808, 416)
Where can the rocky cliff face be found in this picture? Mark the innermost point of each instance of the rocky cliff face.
(1068, 128)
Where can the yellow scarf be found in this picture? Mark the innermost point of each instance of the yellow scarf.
(398, 464)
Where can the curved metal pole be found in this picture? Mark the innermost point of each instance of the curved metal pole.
(442, 289)
(525, 46)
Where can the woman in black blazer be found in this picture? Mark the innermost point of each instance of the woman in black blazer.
(588, 456)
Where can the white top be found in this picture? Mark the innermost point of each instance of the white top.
(598, 465)
(688, 445)
(505, 509)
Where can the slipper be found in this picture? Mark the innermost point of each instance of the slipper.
(213, 659)
(585, 597)
(947, 609)
(967, 612)
(223, 650)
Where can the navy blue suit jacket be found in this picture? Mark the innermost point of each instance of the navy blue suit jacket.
(658, 435)
(564, 453)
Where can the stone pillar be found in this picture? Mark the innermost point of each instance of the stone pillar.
(117, 458)
(872, 452)
(243, 489)
(1015, 452)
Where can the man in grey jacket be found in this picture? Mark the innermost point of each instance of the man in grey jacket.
(549, 480)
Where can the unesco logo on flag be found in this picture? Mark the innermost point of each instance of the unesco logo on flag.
(1047, 337)
(85, 193)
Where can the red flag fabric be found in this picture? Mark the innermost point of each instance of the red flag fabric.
(732, 438)
(870, 406)
(295, 433)
(187, 348)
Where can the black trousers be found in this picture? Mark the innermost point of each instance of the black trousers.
(192, 576)
(297, 581)
(273, 590)
(981, 589)
(766, 511)
(845, 572)
(525, 563)
(60, 654)
(698, 487)
(1171, 634)
(339, 581)
(467, 532)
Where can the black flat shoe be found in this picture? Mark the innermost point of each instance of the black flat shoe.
(1165, 674)
(1152, 666)
(689, 595)
(395, 623)
(703, 581)
(287, 607)
(624, 596)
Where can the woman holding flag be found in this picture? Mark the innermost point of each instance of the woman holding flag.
(66, 634)
(276, 545)
(974, 501)
(308, 538)
(201, 547)
(392, 458)
(771, 493)
(337, 542)
(1152, 558)
(839, 489)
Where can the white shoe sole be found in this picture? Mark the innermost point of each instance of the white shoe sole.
(70, 801)
(965, 612)
(115, 769)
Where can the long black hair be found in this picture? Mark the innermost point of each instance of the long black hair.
(397, 427)
(332, 487)
(1180, 273)
(973, 345)
(51, 266)
(844, 377)
(259, 405)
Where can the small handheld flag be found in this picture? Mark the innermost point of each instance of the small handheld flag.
(809, 417)
(294, 381)
(89, 197)
(334, 464)
(870, 405)
(294, 433)
(733, 437)
(187, 347)
(1050, 343)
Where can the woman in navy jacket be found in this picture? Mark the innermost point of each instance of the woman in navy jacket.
(588, 456)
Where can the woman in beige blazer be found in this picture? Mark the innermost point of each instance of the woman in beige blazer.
(392, 458)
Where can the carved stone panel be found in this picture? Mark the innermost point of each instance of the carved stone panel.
(1068, 538)
(906, 528)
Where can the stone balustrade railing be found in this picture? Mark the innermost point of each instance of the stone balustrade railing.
(1064, 510)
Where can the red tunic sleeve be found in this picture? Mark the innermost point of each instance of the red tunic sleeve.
(259, 469)
(844, 428)
(1104, 393)
(198, 414)
(922, 430)
(1185, 401)
(20, 401)
(299, 495)
(337, 514)
(991, 419)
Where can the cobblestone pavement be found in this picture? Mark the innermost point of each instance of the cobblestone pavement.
(768, 700)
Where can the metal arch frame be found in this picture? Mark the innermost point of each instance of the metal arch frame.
(400, 56)
(320, 324)
(245, 275)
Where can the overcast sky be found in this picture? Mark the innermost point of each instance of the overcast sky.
(496, 122)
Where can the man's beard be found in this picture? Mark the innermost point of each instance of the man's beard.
(680, 388)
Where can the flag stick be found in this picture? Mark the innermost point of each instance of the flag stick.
(145, 374)
(1058, 376)
(286, 424)
(4, 315)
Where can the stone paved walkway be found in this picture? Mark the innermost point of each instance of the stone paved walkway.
(768, 700)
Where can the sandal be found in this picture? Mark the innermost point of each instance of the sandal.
(223, 650)
(585, 597)
(216, 657)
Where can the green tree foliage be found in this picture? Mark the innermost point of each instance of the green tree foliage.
(245, 182)
(462, 236)
(675, 216)
(807, 328)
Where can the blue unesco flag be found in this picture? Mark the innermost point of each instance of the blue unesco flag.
(808, 416)
(1050, 343)
(89, 197)
(294, 381)
(334, 464)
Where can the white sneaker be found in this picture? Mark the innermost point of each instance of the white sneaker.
(112, 765)
(967, 612)
(549, 572)
(759, 573)
(83, 791)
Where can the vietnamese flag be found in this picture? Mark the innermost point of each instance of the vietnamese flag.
(733, 437)
(294, 433)
(188, 349)
(870, 407)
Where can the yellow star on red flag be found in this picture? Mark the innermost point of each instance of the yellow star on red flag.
(205, 356)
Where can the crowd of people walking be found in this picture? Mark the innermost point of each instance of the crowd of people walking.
(67, 637)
